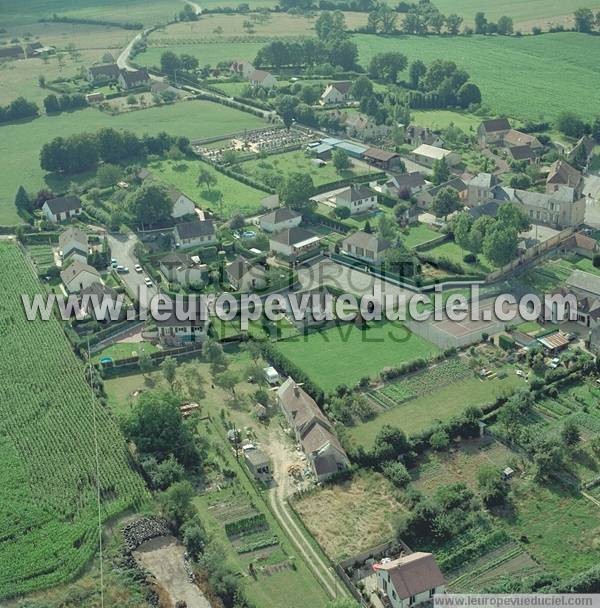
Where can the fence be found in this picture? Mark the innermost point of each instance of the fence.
(531, 255)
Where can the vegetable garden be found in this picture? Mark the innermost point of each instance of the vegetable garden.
(48, 514)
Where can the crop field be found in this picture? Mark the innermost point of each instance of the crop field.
(345, 353)
(438, 405)
(49, 516)
(517, 76)
(236, 196)
(297, 162)
(442, 119)
(42, 256)
(530, 12)
(20, 143)
(351, 517)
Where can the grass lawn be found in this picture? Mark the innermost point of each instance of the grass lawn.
(418, 235)
(551, 274)
(20, 143)
(562, 529)
(418, 414)
(123, 350)
(297, 162)
(237, 197)
(344, 354)
(441, 119)
(517, 76)
(352, 516)
(207, 53)
(454, 253)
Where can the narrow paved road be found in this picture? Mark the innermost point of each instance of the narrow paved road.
(280, 508)
(121, 247)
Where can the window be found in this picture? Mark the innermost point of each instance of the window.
(432, 592)
(411, 601)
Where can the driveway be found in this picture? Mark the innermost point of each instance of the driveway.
(121, 247)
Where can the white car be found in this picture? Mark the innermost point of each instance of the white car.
(138, 268)
(148, 282)
(520, 373)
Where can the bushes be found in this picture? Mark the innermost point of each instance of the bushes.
(470, 258)
(248, 524)
(505, 342)
(396, 472)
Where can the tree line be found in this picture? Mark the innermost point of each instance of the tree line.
(84, 151)
(18, 109)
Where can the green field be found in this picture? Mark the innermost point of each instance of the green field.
(208, 53)
(20, 143)
(237, 197)
(297, 162)
(442, 119)
(48, 513)
(528, 77)
(418, 414)
(344, 354)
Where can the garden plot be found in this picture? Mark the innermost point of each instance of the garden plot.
(422, 382)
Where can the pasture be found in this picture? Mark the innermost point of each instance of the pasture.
(49, 522)
(20, 143)
(227, 197)
(344, 354)
(298, 162)
(531, 77)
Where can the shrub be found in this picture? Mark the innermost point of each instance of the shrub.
(596, 260)
(470, 258)
(396, 472)
(439, 440)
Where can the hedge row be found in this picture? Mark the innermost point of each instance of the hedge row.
(248, 524)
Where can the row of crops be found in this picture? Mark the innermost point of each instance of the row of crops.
(424, 382)
(48, 511)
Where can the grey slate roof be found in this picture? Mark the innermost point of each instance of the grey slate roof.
(63, 204)
(367, 241)
(192, 230)
(290, 236)
(496, 124)
(109, 70)
(280, 215)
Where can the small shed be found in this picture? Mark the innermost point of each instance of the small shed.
(271, 375)
(507, 473)
(261, 411)
(258, 463)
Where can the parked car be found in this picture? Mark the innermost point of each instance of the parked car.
(138, 268)
(148, 282)
(122, 269)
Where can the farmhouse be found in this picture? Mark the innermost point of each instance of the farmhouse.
(182, 204)
(293, 242)
(365, 246)
(336, 92)
(99, 74)
(193, 234)
(357, 198)
(382, 158)
(312, 430)
(409, 580)
(174, 332)
(279, 219)
(244, 276)
(62, 208)
(183, 269)
(78, 276)
(492, 131)
(73, 245)
(133, 79)
(428, 155)
(260, 78)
